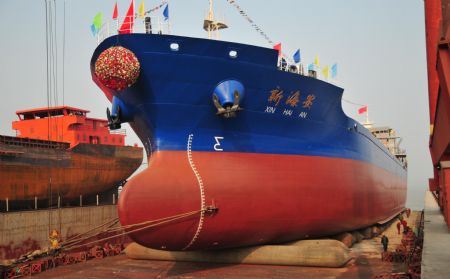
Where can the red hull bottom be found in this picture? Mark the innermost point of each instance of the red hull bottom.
(261, 198)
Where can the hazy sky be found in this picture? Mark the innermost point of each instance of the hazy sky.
(379, 47)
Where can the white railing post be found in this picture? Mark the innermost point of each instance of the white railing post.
(112, 27)
(107, 29)
(159, 26)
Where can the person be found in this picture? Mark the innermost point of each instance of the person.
(148, 25)
(405, 226)
(385, 242)
(283, 64)
(408, 212)
(398, 227)
(54, 239)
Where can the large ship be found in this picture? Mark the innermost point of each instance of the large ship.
(263, 154)
(60, 152)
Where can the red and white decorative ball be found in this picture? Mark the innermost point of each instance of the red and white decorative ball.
(117, 68)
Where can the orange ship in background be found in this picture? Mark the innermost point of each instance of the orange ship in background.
(59, 151)
(65, 124)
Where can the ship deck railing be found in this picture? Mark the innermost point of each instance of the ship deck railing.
(88, 129)
(145, 25)
(108, 198)
(158, 25)
(27, 142)
(118, 132)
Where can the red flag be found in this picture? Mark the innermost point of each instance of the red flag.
(116, 12)
(278, 47)
(362, 110)
(128, 22)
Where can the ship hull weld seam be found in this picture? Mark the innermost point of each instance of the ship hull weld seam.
(202, 191)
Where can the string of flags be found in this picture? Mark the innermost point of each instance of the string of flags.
(127, 27)
(254, 25)
(128, 22)
(257, 28)
(157, 7)
(327, 71)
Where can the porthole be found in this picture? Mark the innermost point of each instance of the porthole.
(233, 53)
(174, 46)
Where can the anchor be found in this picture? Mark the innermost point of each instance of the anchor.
(114, 121)
(228, 111)
(119, 113)
(227, 97)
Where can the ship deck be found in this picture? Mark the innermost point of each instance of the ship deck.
(366, 263)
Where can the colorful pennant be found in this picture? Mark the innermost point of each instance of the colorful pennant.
(334, 70)
(98, 20)
(141, 11)
(326, 72)
(128, 22)
(296, 56)
(362, 110)
(166, 12)
(278, 47)
(115, 12)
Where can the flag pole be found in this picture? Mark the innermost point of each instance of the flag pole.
(367, 114)
(168, 20)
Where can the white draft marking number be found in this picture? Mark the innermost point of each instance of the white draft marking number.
(217, 145)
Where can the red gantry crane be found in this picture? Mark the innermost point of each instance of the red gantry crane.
(437, 22)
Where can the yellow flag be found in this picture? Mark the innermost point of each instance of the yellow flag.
(326, 72)
(141, 9)
(316, 61)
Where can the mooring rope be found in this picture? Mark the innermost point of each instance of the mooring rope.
(76, 238)
(141, 226)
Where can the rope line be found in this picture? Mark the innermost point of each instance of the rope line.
(352, 103)
(157, 7)
(121, 228)
(257, 28)
(148, 224)
(75, 238)
(252, 23)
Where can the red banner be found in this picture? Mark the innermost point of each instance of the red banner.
(115, 12)
(278, 47)
(362, 110)
(128, 22)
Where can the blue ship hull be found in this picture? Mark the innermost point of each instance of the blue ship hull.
(284, 114)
